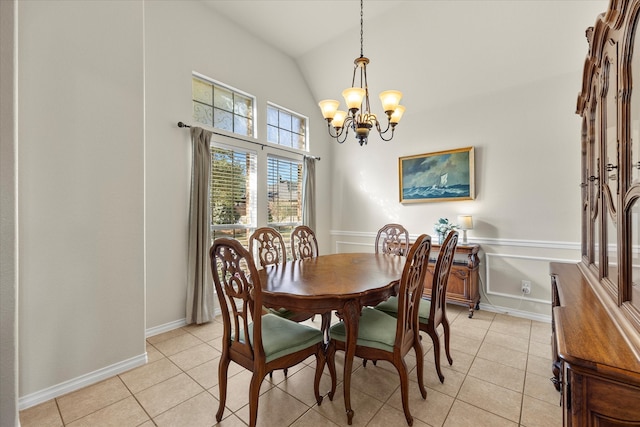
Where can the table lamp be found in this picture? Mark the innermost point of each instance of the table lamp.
(465, 222)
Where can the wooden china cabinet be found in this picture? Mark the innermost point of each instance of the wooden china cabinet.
(596, 303)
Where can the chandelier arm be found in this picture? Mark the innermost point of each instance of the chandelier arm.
(337, 133)
(389, 125)
(345, 132)
(393, 128)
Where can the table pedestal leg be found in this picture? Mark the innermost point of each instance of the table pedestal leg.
(351, 319)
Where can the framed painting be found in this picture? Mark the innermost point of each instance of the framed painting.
(436, 177)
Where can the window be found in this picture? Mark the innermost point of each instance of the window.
(233, 193)
(286, 128)
(284, 184)
(221, 107)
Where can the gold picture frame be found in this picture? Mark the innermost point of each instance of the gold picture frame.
(437, 177)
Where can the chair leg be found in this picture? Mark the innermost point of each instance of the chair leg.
(331, 361)
(445, 325)
(404, 390)
(254, 395)
(320, 362)
(417, 347)
(222, 380)
(436, 352)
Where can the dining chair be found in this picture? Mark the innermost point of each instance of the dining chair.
(392, 239)
(433, 311)
(303, 243)
(267, 245)
(257, 342)
(384, 337)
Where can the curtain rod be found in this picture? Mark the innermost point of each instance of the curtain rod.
(184, 125)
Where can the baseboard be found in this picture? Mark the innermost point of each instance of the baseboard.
(74, 384)
(516, 313)
(160, 329)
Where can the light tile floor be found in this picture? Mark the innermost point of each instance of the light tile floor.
(499, 377)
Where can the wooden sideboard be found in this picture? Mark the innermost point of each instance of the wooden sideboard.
(594, 366)
(462, 288)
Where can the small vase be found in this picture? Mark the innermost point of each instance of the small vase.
(441, 237)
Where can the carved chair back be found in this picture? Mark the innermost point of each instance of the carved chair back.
(267, 246)
(392, 239)
(303, 243)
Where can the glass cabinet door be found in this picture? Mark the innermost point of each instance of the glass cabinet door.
(634, 231)
(609, 176)
(632, 240)
(594, 184)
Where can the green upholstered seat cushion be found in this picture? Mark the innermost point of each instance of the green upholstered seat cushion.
(281, 336)
(376, 329)
(282, 312)
(390, 306)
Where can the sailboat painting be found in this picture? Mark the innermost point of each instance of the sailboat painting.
(435, 177)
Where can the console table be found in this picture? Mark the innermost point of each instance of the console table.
(462, 288)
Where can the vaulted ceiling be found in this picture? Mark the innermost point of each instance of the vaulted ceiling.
(434, 51)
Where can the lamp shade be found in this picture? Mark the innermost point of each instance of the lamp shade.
(339, 118)
(465, 222)
(397, 114)
(390, 99)
(328, 108)
(353, 97)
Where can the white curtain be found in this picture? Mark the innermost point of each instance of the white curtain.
(309, 192)
(199, 280)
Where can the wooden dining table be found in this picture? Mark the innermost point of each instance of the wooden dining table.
(341, 282)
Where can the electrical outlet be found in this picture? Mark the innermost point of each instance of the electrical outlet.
(526, 287)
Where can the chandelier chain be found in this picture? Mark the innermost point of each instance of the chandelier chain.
(361, 28)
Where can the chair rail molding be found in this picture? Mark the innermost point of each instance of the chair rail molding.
(544, 244)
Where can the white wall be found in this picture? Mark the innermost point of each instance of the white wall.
(105, 173)
(201, 41)
(8, 216)
(81, 186)
(499, 76)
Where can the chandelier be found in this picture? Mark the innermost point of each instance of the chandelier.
(359, 117)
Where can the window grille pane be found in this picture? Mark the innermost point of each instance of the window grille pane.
(243, 106)
(297, 125)
(284, 138)
(223, 99)
(272, 116)
(202, 113)
(272, 134)
(223, 120)
(202, 91)
(285, 120)
(241, 125)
